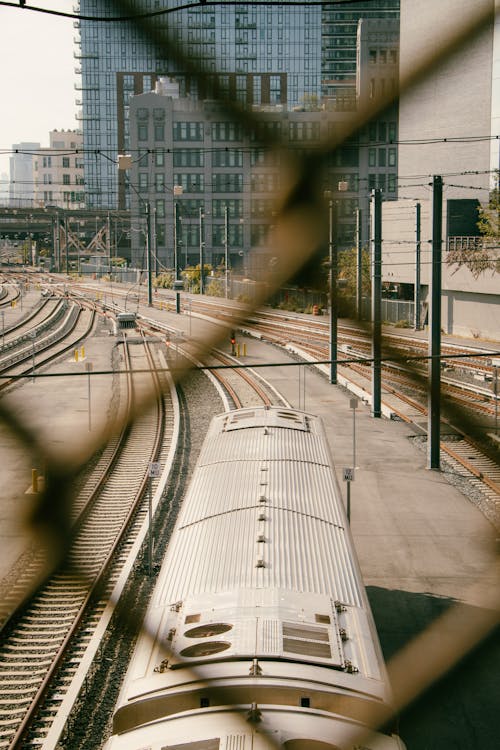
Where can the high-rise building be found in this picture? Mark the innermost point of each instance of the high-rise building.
(260, 54)
(22, 181)
(339, 28)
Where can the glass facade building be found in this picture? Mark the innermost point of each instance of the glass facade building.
(260, 55)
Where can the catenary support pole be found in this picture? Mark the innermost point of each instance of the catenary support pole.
(434, 406)
(359, 272)
(176, 257)
(148, 254)
(376, 301)
(417, 266)
(202, 259)
(332, 252)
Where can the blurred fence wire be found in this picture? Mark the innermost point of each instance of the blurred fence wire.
(299, 228)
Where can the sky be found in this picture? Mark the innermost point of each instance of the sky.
(36, 74)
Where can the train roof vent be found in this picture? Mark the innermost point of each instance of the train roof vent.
(306, 640)
(213, 744)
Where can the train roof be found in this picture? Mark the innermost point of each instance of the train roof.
(263, 511)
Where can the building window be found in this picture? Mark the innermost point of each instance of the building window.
(226, 131)
(189, 157)
(143, 180)
(159, 182)
(372, 56)
(160, 235)
(304, 131)
(160, 208)
(392, 157)
(188, 131)
(159, 132)
(159, 159)
(227, 158)
(227, 183)
(267, 182)
(382, 157)
(372, 157)
(142, 132)
(190, 183)
(391, 183)
(234, 208)
(66, 179)
(65, 162)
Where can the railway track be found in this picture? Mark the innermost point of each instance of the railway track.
(35, 639)
(73, 325)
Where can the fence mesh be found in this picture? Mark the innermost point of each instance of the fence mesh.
(299, 228)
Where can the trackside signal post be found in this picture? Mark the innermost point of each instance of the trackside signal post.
(153, 473)
(348, 473)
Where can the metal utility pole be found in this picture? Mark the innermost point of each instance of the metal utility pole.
(226, 251)
(417, 267)
(434, 405)
(176, 258)
(202, 259)
(332, 257)
(377, 303)
(359, 271)
(148, 254)
(66, 243)
(154, 247)
(108, 241)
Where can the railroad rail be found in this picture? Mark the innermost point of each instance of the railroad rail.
(37, 637)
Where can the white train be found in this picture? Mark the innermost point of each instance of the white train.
(259, 634)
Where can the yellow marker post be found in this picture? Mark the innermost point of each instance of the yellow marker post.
(244, 350)
(82, 352)
(76, 355)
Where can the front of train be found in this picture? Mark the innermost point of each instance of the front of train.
(259, 635)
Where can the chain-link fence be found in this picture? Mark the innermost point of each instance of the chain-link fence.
(300, 226)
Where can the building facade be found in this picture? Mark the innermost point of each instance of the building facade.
(189, 160)
(260, 55)
(339, 44)
(449, 126)
(58, 171)
(22, 181)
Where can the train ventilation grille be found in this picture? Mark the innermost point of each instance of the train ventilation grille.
(306, 640)
(199, 745)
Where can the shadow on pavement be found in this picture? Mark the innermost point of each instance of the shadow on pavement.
(460, 712)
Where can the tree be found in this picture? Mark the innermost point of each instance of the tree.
(481, 254)
(347, 272)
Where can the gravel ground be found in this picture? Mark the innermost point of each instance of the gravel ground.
(199, 403)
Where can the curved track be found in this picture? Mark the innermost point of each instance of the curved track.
(36, 639)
